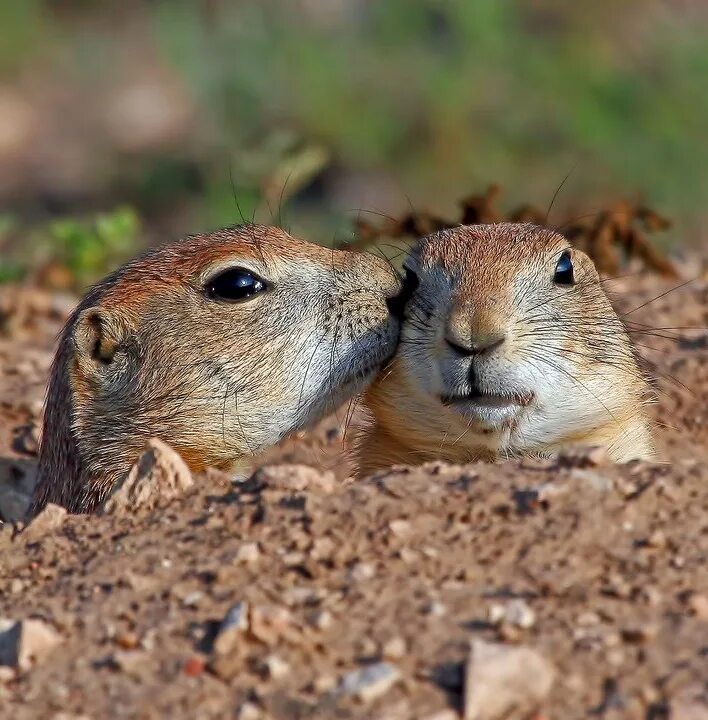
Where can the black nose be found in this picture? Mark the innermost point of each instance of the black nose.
(397, 303)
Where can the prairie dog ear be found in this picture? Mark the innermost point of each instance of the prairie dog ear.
(102, 339)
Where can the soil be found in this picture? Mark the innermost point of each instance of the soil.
(601, 569)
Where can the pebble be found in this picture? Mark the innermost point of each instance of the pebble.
(322, 620)
(269, 624)
(193, 599)
(295, 478)
(160, 474)
(517, 613)
(436, 609)
(640, 634)
(194, 666)
(128, 640)
(370, 682)
(699, 606)
(502, 679)
(249, 711)
(275, 667)
(234, 623)
(28, 441)
(394, 649)
(25, 643)
(657, 539)
(361, 572)
(48, 521)
(130, 662)
(324, 683)
(248, 553)
(400, 528)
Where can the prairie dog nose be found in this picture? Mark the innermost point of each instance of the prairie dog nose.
(470, 335)
(477, 345)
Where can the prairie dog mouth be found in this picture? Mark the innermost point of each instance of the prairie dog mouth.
(485, 399)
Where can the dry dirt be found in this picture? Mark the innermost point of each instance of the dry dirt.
(601, 569)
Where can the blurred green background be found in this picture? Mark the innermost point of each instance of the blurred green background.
(129, 123)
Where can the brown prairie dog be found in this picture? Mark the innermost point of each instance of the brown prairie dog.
(219, 344)
(509, 346)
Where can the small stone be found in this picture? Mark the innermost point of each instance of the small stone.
(361, 572)
(410, 557)
(295, 478)
(370, 682)
(28, 441)
(640, 634)
(699, 606)
(322, 620)
(657, 539)
(193, 599)
(248, 553)
(436, 609)
(128, 640)
(271, 623)
(394, 649)
(366, 647)
(142, 584)
(400, 528)
(502, 679)
(16, 586)
(516, 613)
(275, 668)
(235, 622)
(324, 683)
(194, 666)
(496, 613)
(588, 618)
(25, 643)
(130, 662)
(160, 474)
(249, 711)
(48, 521)
(520, 614)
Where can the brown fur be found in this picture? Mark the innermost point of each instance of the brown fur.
(147, 353)
(487, 284)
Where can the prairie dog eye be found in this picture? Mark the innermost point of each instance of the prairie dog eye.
(235, 285)
(564, 274)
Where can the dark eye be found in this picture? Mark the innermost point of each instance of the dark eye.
(564, 270)
(235, 285)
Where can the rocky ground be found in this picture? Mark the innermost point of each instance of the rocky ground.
(548, 589)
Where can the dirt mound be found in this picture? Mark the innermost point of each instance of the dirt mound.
(301, 594)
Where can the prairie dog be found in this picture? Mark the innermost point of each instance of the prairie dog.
(509, 346)
(219, 344)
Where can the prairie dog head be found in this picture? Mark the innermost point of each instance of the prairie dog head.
(509, 346)
(219, 344)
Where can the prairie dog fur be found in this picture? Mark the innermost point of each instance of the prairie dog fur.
(509, 346)
(219, 344)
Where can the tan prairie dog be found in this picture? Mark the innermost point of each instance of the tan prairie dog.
(219, 344)
(509, 346)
